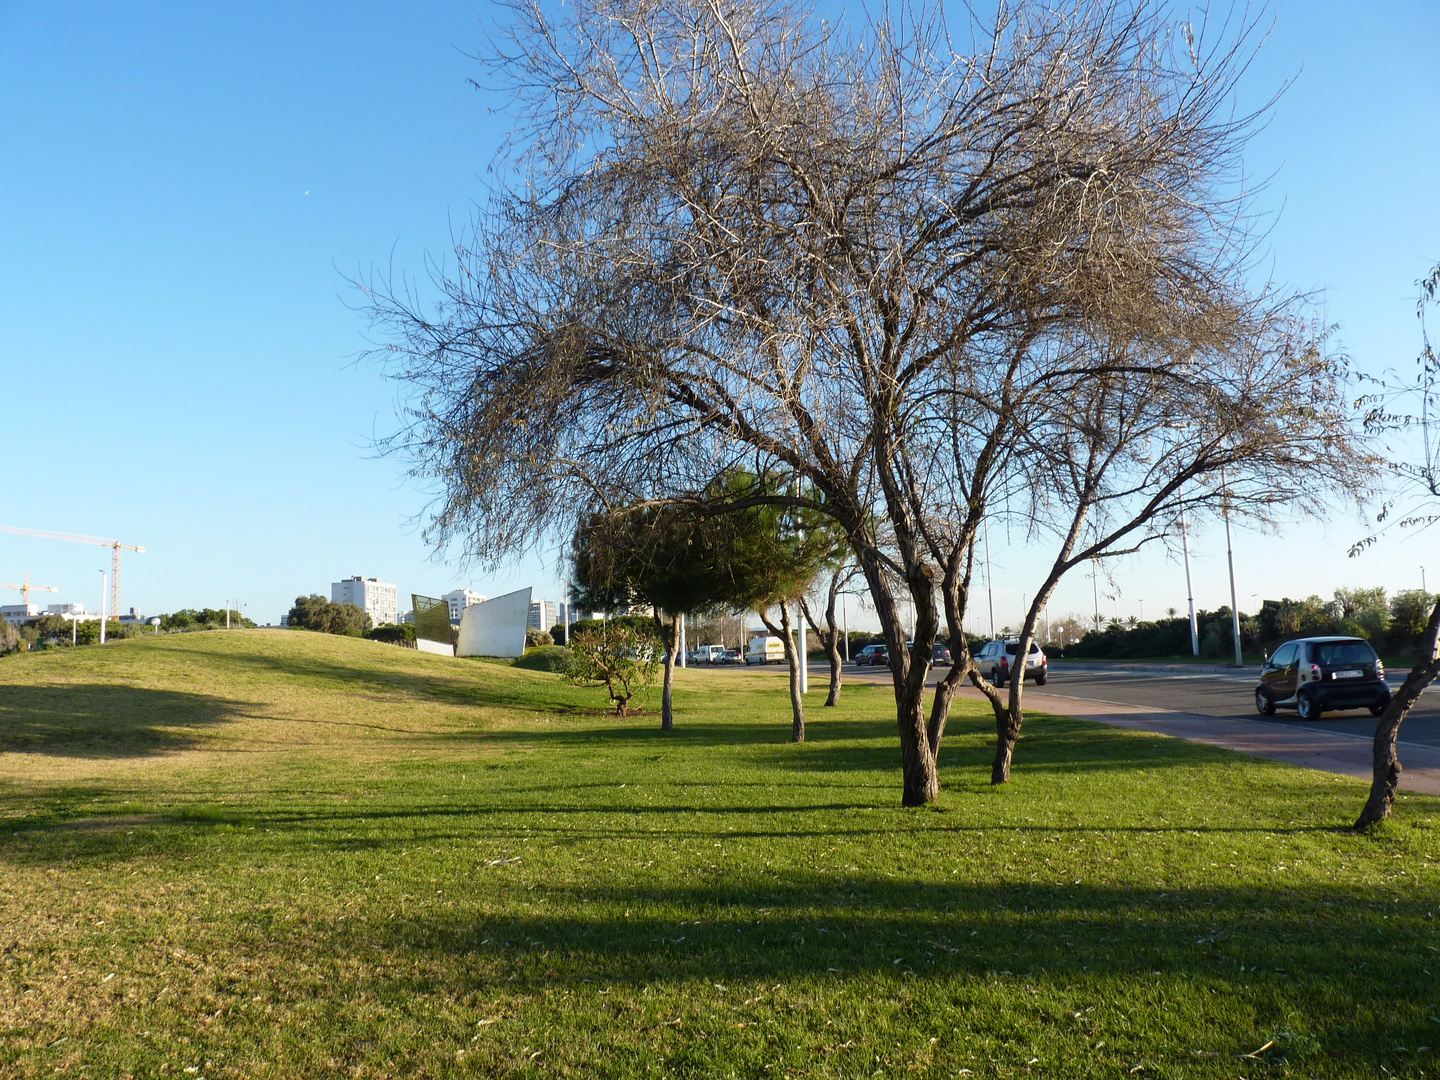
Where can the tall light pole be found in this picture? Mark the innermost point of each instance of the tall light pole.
(1189, 588)
(988, 590)
(845, 621)
(102, 607)
(1234, 602)
(567, 613)
(1423, 590)
(804, 661)
(683, 642)
(1095, 589)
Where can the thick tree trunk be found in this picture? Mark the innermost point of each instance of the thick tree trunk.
(922, 778)
(797, 703)
(667, 695)
(1386, 759)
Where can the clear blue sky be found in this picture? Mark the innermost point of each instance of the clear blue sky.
(184, 188)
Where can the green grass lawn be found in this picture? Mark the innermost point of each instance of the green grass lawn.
(280, 854)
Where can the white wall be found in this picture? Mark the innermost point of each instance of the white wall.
(496, 627)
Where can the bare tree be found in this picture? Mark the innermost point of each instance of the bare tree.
(829, 633)
(1404, 411)
(735, 235)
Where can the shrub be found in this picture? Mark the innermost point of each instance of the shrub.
(536, 638)
(545, 658)
(391, 634)
(615, 656)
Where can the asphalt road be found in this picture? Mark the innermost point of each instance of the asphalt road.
(1230, 696)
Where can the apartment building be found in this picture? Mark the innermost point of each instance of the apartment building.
(459, 600)
(378, 599)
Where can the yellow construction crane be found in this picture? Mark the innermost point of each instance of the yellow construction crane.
(24, 590)
(75, 538)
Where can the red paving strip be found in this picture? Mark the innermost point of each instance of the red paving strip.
(1309, 748)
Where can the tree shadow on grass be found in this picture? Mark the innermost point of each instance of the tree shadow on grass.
(1287, 952)
(106, 720)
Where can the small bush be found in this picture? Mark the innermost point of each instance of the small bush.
(391, 634)
(545, 658)
(534, 639)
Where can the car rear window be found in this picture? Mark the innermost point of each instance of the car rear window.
(1011, 646)
(1341, 652)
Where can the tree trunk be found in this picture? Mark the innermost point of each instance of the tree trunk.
(797, 703)
(832, 647)
(1386, 759)
(672, 647)
(1008, 722)
(830, 638)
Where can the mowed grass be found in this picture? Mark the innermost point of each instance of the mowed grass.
(280, 854)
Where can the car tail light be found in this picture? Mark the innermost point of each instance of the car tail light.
(1004, 661)
(1315, 671)
(1380, 669)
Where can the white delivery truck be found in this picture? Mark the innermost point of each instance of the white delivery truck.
(765, 650)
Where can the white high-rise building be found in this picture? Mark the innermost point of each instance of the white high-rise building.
(459, 600)
(371, 595)
(543, 614)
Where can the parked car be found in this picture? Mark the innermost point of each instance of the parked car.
(707, 654)
(873, 656)
(765, 650)
(732, 656)
(939, 654)
(997, 661)
(1320, 674)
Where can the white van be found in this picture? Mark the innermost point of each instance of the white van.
(707, 654)
(765, 650)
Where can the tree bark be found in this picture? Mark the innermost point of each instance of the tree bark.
(1385, 756)
(797, 703)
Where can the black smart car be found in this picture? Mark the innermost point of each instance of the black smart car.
(1322, 674)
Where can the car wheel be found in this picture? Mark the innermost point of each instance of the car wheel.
(1041, 679)
(1308, 707)
(997, 678)
(1263, 705)
(1376, 710)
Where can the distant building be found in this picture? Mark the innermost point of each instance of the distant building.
(18, 613)
(459, 600)
(569, 613)
(543, 614)
(66, 611)
(135, 618)
(371, 595)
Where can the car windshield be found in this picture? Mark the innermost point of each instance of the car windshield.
(1341, 652)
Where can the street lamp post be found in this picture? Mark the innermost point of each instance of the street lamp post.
(1189, 588)
(102, 607)
(1234, 602)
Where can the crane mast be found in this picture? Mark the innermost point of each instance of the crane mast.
(75, 538)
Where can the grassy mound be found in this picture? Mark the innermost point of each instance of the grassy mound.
(544, 658)
(272, 854)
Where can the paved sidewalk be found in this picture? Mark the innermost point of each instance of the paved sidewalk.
(1309, 748)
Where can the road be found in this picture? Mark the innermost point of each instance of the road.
(1230, 696)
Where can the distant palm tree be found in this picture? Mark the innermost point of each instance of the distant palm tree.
(1171, 612)
(1132, 622)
